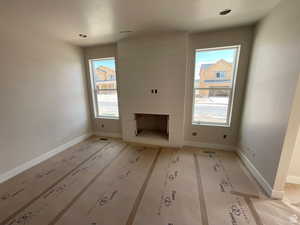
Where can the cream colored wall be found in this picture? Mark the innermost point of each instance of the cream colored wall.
(42, 96)
(289, 144)
(103, 126)
(156, 61)
(274, 71)
(205, 134)
(294, 169)
(212, 134)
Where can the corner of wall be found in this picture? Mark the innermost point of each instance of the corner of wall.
(275, 194)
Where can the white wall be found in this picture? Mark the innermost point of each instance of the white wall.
(294, 170)
(107, 127)
(155, 61)
(212, 134)
(42, 96)
(166, 61)
(274, 71)
(289, 158)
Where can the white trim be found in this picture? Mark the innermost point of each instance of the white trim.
(293, 179)
(232, 89)
(277, 194)
(27, 165)
(94, 89)
(108, 134)
(259, 177)
(107, 117)
(210, 124)
(209, 145)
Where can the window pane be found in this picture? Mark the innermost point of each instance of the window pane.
(214, 68)
(108, 103)
(105, 85)
(213, 79)
(104, 74)
(211, 105)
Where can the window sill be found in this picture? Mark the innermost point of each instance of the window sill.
(107, 118)
(211, 125)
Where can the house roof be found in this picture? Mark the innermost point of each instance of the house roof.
(207, 65)
(104, 73)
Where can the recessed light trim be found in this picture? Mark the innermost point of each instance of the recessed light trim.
(225, 12)
(83, 35)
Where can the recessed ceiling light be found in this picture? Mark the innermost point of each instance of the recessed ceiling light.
(83, 35)
(225, 12)
(125, 31)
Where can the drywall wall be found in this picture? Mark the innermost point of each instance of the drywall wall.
(213, 134)
(164, 53)
(156, 61)
(290, 150)
(271, 84)
(294, 170)
(43, 96)
(109, 127)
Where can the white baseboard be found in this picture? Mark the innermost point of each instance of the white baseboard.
(259, 177)
(277, 194)
(293, 179)
(27, 165)
(209, 145)
(108, 134)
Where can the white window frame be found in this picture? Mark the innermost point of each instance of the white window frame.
(94, 89)
(232, 92)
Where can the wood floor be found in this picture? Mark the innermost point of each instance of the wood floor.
(108, 182)
(292, 194)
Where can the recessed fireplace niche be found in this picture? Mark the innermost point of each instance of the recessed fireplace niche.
(152, 125)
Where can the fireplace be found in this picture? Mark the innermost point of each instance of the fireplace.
(152, 125)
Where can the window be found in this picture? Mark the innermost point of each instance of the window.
(220, 74)
(214, 80)
(104, 85)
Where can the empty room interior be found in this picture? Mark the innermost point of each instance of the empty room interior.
(150, 112)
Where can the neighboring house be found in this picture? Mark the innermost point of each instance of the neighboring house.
(105, 78)
(216, 75)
